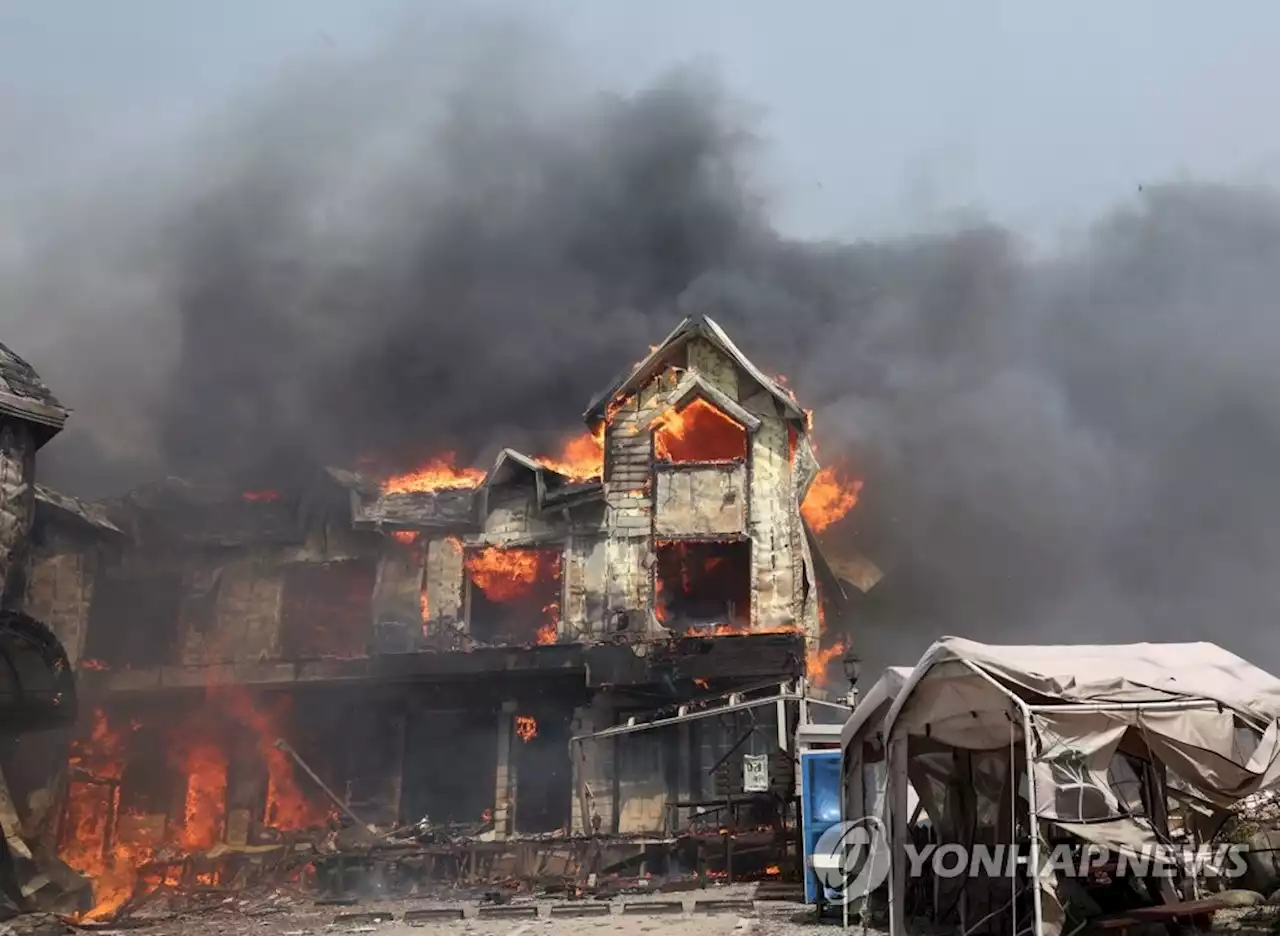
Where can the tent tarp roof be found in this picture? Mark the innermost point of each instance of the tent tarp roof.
(873, 706)
(1126, 673)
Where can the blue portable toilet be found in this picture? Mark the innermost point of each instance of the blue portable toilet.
(819, 811)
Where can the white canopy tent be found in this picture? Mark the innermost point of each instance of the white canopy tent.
(1105, 724)
(862, 740)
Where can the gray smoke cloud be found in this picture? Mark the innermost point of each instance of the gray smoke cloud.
(451, 243)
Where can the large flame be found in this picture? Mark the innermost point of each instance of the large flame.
(288, 808)
(439, 474)
(818, 661)
(512, 574)
(93, 799)
(581, 458)
(698, 432)
(204, 811)
(504, 574)
(114, 856)
(829, 499)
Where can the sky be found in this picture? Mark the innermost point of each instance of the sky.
(880, 118)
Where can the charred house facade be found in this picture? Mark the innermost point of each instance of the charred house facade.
(427, 647)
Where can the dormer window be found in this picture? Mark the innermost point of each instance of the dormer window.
(699, 432)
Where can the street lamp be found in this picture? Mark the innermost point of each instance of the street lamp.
(851, 665)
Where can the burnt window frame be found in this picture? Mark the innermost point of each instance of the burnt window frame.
(699, 396)
(119, 642)
(657, 543)
(560, 546)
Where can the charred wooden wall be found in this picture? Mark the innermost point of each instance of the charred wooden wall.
(60, 592)
(202, 605)
(17, 494)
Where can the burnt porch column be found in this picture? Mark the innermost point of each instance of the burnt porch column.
(504, 785)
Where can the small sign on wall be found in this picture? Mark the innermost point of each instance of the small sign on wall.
(755, 773)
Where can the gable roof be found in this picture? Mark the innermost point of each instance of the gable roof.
(550, 486)
(24, 395)
(82, 511)
(694, 327)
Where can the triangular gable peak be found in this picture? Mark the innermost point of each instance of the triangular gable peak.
(514, 469)
(510, 468)
(697, 344)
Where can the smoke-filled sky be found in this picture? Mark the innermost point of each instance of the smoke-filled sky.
(1023, 263)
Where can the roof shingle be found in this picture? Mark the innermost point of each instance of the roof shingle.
(24, 395)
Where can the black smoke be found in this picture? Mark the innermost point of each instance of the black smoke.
(453, 243)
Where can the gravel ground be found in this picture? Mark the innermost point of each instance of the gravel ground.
(770, 918)
(294, 915)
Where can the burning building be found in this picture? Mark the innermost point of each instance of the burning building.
(254, 663)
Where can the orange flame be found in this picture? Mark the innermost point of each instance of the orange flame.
(408, 537)
(90, 664)
(112, 848)
(288, 808)
(503, 574)
(773, 871)
(549, 632)
(439, 474)
(829, 499)
(204, 811)
(582, 457)
(88, 818)
(699, 432)
(526, 727)
(256, 496)
(817, 661)
(511, 574)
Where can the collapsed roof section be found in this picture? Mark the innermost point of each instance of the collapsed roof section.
(24, 395)
(200, 513)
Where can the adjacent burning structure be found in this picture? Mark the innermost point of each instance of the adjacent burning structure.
(384, 628)
(37, 686)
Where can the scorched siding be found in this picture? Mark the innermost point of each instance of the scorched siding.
(700, 501)
(134, 620)
(59, 593)
(327, 609)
